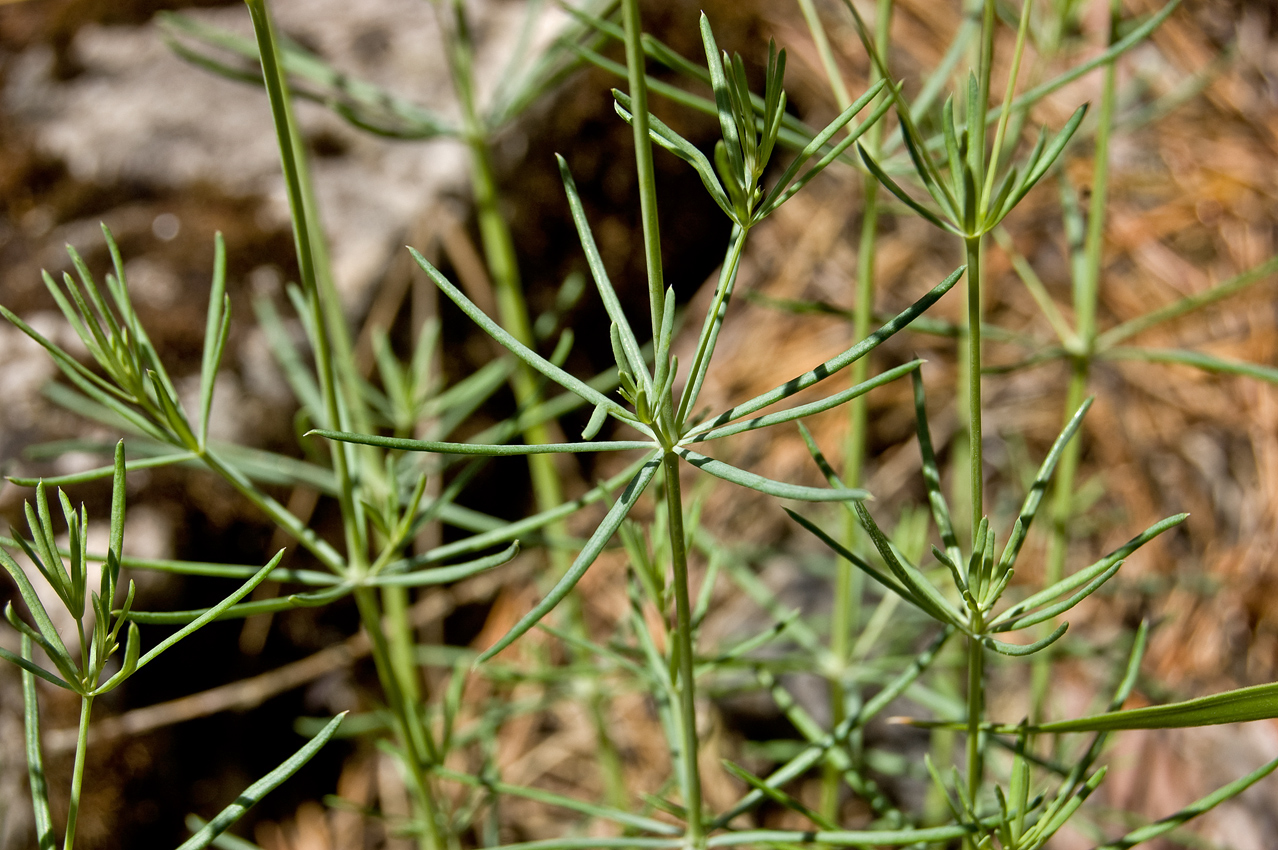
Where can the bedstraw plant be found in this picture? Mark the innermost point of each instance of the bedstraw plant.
(394, 465)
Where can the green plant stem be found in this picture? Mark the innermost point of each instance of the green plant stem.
(77, 772)
(849, 582)
(635, 61)
(293, 160)
(1086, 293)
(682, 646)
(973, 247)
(418, 748)
(503, 267)
(975, 716)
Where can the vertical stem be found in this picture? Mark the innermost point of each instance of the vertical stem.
(309, 258)
(1086, 292)
(683, 648)
(502, 262)
(849, 582)
(975, 714)
(418, 748)
(77, 772)
(635, 63)
(973, 247)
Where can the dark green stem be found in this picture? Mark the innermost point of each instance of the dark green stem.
(686, 686)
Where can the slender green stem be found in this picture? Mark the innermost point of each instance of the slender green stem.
(308, 251)
(973, 247)
(849, 582)
(975, 716)
(686, 684)
(503, 263)
(635, 61)
(1086, 293)
(418, 748)
(77, 772)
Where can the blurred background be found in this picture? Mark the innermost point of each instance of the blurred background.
(101, 122)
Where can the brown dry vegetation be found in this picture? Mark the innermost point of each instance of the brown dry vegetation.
(1194, 202)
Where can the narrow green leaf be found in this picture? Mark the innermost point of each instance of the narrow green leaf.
(927, 597)
(676, 144)
(1044, 614)
(612, 305)
(602, 534)
(709, 335)
(1188, 304)
(1132, 39)
(932, 476)
(1087, 574)
(902, 195)
(38, 613)
(1017, 650)
(450, 573)
(216, 329)
(836, 363)
(29, 666)
(805, 410)
(1193, 810)
(864, 566)
(1029, 509)
(570, 803)
(723, 98)
(1032, 176)
(820, 140)
(521, 351)
(1259, 702)
(259, 789)
(35, 758)
(1198, 359)
(486, 450)
(780, 489)
(213, 613)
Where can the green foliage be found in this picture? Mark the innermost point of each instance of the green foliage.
(387, 438)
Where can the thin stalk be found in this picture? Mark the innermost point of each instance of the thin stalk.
(849, 582)
(976, 150)
(503, 268)
(973, 248)
(682, 646)
(293, 159)
(975, 716)
(418, 748)
(635, 61)
(503, 264)
(1086, 294)
(77, 772)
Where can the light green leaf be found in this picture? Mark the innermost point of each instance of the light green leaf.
(834, 364)
(259, 789)
(39, 784)
(780, 489)
(602, 534)
(805, 410)
(1193, 810)
(1201, 360)
(487, 450)
(213, 613)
